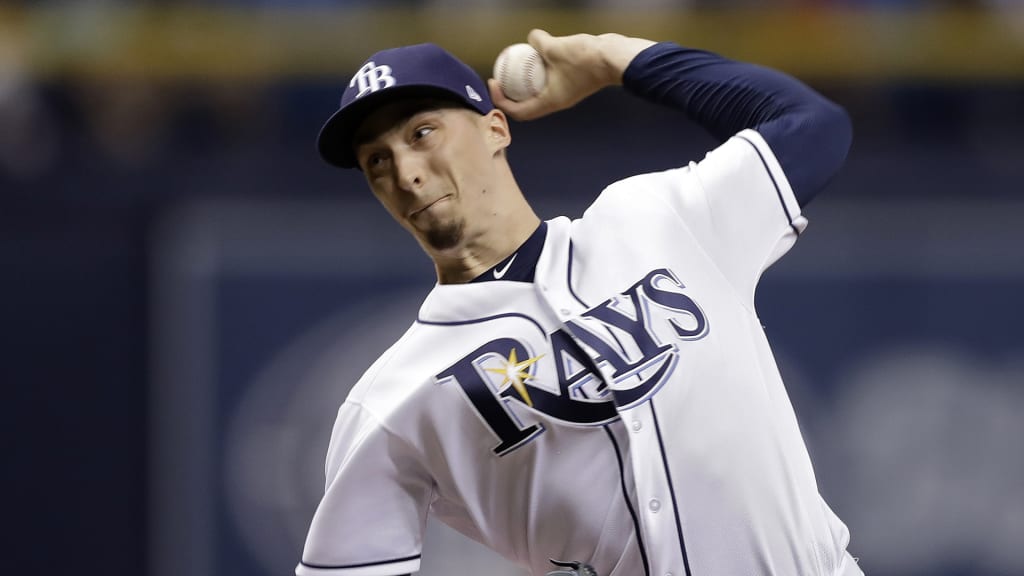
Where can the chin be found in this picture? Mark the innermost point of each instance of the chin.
(445, 237)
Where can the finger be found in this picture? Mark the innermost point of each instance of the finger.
(539, 39)
(526, 110)
(497, 96)
(510, 107)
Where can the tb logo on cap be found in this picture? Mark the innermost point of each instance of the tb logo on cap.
(372, 78)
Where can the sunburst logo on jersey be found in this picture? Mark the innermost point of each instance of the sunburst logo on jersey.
(516, 373)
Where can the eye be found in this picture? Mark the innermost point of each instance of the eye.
(375, 160)
(421, 132)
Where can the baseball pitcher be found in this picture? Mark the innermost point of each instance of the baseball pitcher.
(592, 395)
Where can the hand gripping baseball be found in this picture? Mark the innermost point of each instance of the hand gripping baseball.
(576, 67)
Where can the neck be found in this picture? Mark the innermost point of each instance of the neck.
(470, 261)
(493, 244)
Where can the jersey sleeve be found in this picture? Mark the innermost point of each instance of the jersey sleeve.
(739, 205)
(371, 519)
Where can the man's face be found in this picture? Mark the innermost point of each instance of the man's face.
(430, 163)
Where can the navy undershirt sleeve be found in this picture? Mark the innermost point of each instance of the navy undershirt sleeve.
(809, 134)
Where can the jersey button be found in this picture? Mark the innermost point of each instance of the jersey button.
(637, 425)
(565, 311)
(654, 505)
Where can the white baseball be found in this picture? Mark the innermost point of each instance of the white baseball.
(520, 72)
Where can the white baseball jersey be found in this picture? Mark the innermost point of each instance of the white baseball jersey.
(622, 410)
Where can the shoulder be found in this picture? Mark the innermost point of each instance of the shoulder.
(384, 378)
(632, 191)
(640, 197)
(644, 182)
(739, 161)
(400, 379)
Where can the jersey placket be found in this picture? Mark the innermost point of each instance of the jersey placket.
(659, 514)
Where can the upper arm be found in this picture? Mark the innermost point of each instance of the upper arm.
(739, 206)
(809, 134)
(370, 521)
(810, 143)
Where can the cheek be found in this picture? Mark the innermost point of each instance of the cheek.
(472, 184)
(477, 168)
(388, 202)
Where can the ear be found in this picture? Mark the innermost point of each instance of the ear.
(497, 133)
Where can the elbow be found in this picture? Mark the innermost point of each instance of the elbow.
(831, 141)
(837, 128)
(827, 142)
(811, 146)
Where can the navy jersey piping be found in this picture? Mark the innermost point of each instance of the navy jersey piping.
(778, 191)
(362, 565)
(618, 455)
(479, 320)
(671, 489)
(629, 503)
(568, 278)
(657, 427)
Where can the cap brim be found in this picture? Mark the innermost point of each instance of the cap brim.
(336, 140)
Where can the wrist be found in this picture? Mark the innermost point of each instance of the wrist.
(617, 51)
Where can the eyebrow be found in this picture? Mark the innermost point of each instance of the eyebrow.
(405, 113)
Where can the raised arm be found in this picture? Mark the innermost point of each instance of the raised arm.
(577, 66)
(808, 134)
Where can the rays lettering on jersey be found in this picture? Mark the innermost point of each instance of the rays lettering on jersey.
(611, 357)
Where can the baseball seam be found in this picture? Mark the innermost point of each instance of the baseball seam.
(531, 74)
(503, 71)
(504, 74)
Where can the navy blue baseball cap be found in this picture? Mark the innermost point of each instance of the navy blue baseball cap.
(407, 71)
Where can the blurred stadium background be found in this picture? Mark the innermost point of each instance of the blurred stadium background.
(188, 293)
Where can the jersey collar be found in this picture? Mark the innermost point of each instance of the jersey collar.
(454, 303)
(520, 266)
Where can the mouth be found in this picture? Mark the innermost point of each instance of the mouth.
(422, 209)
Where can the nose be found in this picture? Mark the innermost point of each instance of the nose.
(408, 170)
